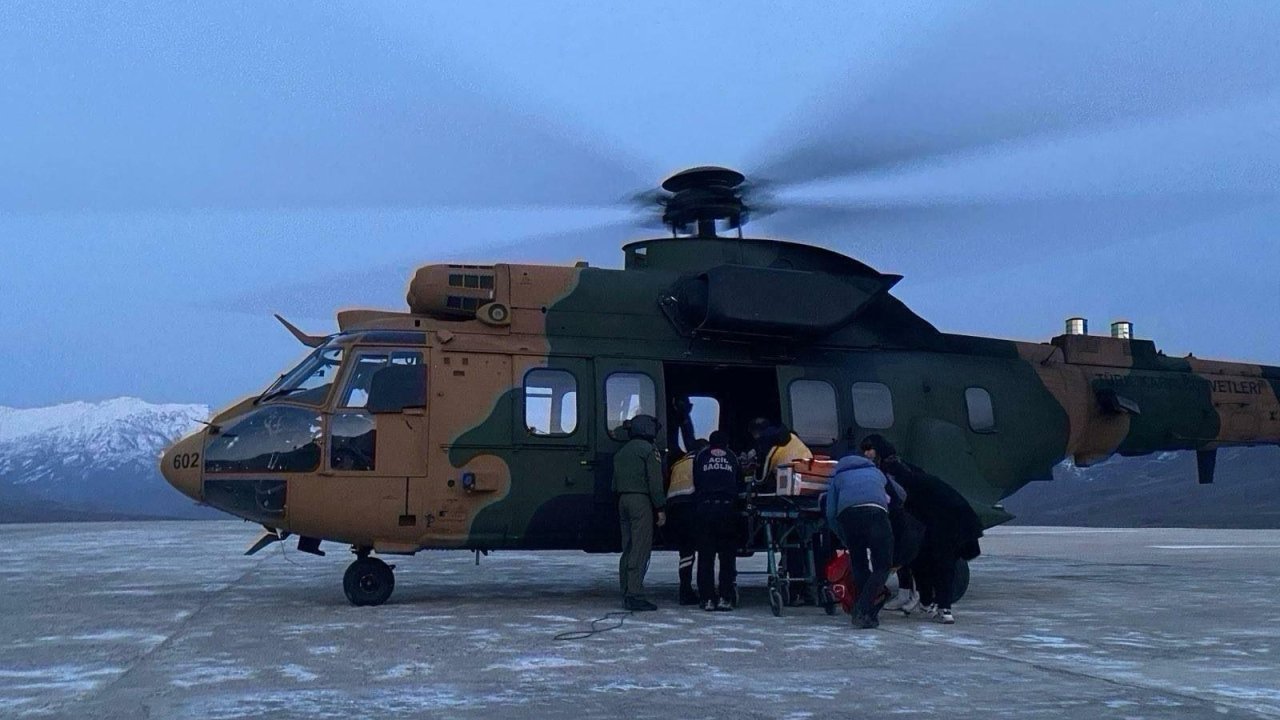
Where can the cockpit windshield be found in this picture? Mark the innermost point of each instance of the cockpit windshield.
(310, 381)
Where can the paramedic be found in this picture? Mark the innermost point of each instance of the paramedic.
(681, 527)
(637, 481)
(776, 445)
(717, 483)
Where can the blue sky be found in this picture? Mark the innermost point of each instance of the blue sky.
(175, 173)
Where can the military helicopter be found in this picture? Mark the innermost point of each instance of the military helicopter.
(484, 417)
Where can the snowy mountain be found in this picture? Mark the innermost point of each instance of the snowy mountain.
(1158, 490)
(92, 460)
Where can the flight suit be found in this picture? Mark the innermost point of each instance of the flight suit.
(637, 481)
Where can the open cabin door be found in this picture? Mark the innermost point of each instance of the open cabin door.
(624, 388)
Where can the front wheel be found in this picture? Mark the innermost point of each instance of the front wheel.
(368, 581)
(961, 584)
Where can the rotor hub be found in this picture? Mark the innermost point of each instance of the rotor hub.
(702, 196)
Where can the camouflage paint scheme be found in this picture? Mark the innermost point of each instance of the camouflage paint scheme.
(466, 473)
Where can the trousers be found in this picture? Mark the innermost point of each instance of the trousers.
(869, 537)
(717, 540)
(635, 513)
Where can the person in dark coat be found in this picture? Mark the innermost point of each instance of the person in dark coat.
(952, 528)
(908, 532)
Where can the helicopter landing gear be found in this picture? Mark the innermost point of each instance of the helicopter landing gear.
(368, 581)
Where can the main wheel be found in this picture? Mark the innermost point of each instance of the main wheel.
(961, 584)
(368, 581)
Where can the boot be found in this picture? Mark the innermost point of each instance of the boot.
(638, 604)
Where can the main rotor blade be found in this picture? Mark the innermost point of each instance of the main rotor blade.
(923, 240)
(1008, 71)
(251, 105)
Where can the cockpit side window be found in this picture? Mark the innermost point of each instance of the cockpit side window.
(353, 433)
(367, 364)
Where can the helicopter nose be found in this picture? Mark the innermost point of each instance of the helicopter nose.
(181, 465)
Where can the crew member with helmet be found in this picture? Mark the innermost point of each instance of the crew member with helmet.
(637, 482)
(717, 483)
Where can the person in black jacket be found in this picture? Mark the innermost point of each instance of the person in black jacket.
(952, 528)
(717, 483)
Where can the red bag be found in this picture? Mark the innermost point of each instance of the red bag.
(840, 575)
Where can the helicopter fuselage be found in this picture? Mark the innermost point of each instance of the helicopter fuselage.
(486, 417)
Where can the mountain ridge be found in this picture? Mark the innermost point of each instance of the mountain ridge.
(93, 461)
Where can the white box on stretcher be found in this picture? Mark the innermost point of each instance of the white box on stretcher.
(804, 477)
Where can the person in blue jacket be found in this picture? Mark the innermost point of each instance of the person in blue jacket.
(857, 510)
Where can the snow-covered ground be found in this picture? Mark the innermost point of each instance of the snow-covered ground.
(167, 620)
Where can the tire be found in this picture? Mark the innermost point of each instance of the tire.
(961, 585)
(368, 582)
(775, 602)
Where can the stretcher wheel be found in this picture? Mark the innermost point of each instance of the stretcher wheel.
(783, 589)
(775, 602)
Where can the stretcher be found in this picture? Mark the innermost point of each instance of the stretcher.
(781, 525)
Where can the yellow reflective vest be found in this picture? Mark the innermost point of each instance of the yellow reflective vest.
(794, 449)
(681, 477)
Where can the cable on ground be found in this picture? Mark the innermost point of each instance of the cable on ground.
(618, 619)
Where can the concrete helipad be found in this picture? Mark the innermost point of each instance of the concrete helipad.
(167, 620)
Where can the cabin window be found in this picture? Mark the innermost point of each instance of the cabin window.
(550, 402)
(872, 405)
(814, 416)
(626, 395)
(982, 416)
